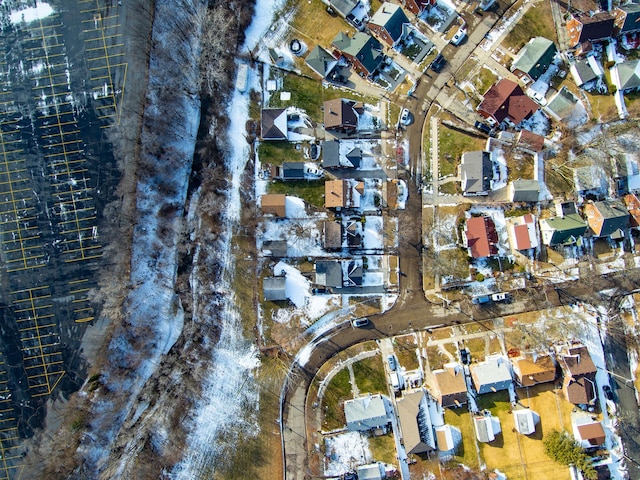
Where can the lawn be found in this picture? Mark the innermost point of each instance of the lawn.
(277, 152)
(451, 145)
(370, 376)
(311, 191)
(450, 188)
(338, 390)
(519, 456)
(306, 93)
(537, 22)
(476, 347)
(315, 26)
(405, 350)
(383, 448)
(484, 79)
(454, 262)
(520, 166)
(466, 453)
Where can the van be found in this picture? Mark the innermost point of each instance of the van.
(391, 360)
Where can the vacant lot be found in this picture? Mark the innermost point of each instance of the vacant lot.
(311, 191)
(451, 145)
(537, 22)
(369, 376)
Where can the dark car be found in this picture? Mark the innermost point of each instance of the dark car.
(465, 356)
(607, 392)
(483, 127)
(438, 63)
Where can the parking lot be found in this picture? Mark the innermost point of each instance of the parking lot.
(57, 96)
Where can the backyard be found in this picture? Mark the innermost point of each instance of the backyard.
(535, 23)
(451, 145)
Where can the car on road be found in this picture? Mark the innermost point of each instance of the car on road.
(607, 392)
(458, 36)
(438, 63)
(360, 322)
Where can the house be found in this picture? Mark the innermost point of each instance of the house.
(627, 18)
(578, 385)
(586, 70)
(274, 124)
(607, 219)
(415, 423)
(331, 235)
(522, 232)
(344, 8)
(565, 106)
(633, 205)
(341, 114)
(525, 420)
(352, 273)
(368, 412)
(389, 23)
(336, 154)
(449, 386)
(587, 431)
(591, 179)
(524, 191)
(345, 193)
(481, 237)
(274, 288)
(362, 51)
(491, 375)
(275, 248)
(529, 142)
(565, 230)
(532, 368)
(506, 102)
(447, 438)
(289, 171)
(586, 27)
(328, 273)
(476, 173)
(626, 75)
(533, 60)
(373, 471)
(274, 204)
(321, 61)
(487, 426)
(417, 6)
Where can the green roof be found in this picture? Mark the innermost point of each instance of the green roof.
(566, 229)
(392, 18)
(535, 57)
(363, 47)
(320, 61)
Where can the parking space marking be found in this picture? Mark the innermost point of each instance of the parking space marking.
(9, 428)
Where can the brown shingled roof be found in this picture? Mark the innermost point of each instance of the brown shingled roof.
(530, 369)
(506, 99)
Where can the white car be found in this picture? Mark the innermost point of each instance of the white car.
(459, 36)
(406, 117)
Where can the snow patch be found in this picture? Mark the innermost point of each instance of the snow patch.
(31, 14)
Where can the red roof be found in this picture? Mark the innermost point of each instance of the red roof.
(506, 99)
(482, 238)
(522, 237)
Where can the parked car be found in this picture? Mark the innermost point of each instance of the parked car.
(405, 117)
(438, 63)
(465, 356)
(607, 392)
(391, 360)
(459, 36)
(481, 299)
(501, 297)
(483, 127)
(360, 322)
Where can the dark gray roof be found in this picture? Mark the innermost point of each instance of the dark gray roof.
(615, 215)
(392, 18)
(344, 7)
(321, 61)
(629, 74)
(274, 288)
(331, 154)
(631, 13)
(355, 272)
(582, 72)
(563, 103)
(275, 248)
(525, 191)
(332, 235)
(476, 171)
(355, 157)
(329, 273)
(293, 170)
(274, 126)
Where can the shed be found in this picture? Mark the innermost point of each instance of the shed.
(487, 427)
(274, 288)
(525, 420)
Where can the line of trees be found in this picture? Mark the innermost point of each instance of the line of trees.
(563, 448)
